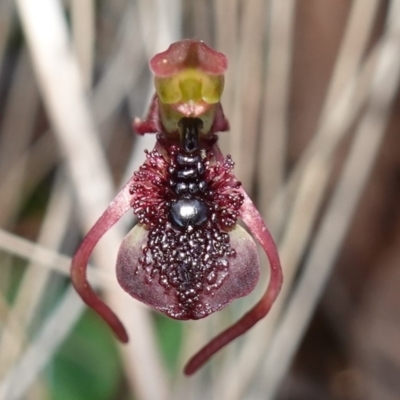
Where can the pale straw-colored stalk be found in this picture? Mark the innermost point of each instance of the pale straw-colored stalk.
(290, 206)
(274, 118)
(245, 112)
(40, 351)
(342, 205)
(33, 284)
(121, 71)
(226, 21)
(69, 112)
(303, 211)
(358, 31)
(16, 133)
(106, 97)
(83, 34)
(43, 257)
(34, 163)
(6, 20)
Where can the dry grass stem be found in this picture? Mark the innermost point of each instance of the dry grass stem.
(36, 160)
(16, 133)
(342, 205)
(83, 32)
(33, 285)
(6, 20)
(245, 112)
(358, 31)
(332, 130)
(121, 71)
(274, 118)
(300, 221)
(46, 258)
(85, 160)
(60, 166)
(227, 17)
(40, 351)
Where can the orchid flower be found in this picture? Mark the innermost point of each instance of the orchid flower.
(187, 257)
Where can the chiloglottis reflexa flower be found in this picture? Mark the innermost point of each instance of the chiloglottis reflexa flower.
(187, 257)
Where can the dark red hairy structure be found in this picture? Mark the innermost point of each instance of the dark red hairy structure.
(185, 273)
(152, 194)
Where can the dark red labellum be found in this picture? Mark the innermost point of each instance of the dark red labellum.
(195, 268)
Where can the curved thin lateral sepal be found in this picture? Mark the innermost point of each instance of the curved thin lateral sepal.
(252, 218)
(117, 208)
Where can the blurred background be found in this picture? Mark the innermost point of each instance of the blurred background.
(313, 101)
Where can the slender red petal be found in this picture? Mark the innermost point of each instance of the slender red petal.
(117, 208)
(252, 218)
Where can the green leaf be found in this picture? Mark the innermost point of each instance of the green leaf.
(169, 333)
(87, 365)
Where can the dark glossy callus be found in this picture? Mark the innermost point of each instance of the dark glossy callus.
(187, 179)
(187, 212)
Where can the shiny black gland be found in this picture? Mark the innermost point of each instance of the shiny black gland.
(188, 212)
(187, 179)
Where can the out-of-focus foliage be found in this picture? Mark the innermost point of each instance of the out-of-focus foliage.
(87, 365)
(169, 334)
